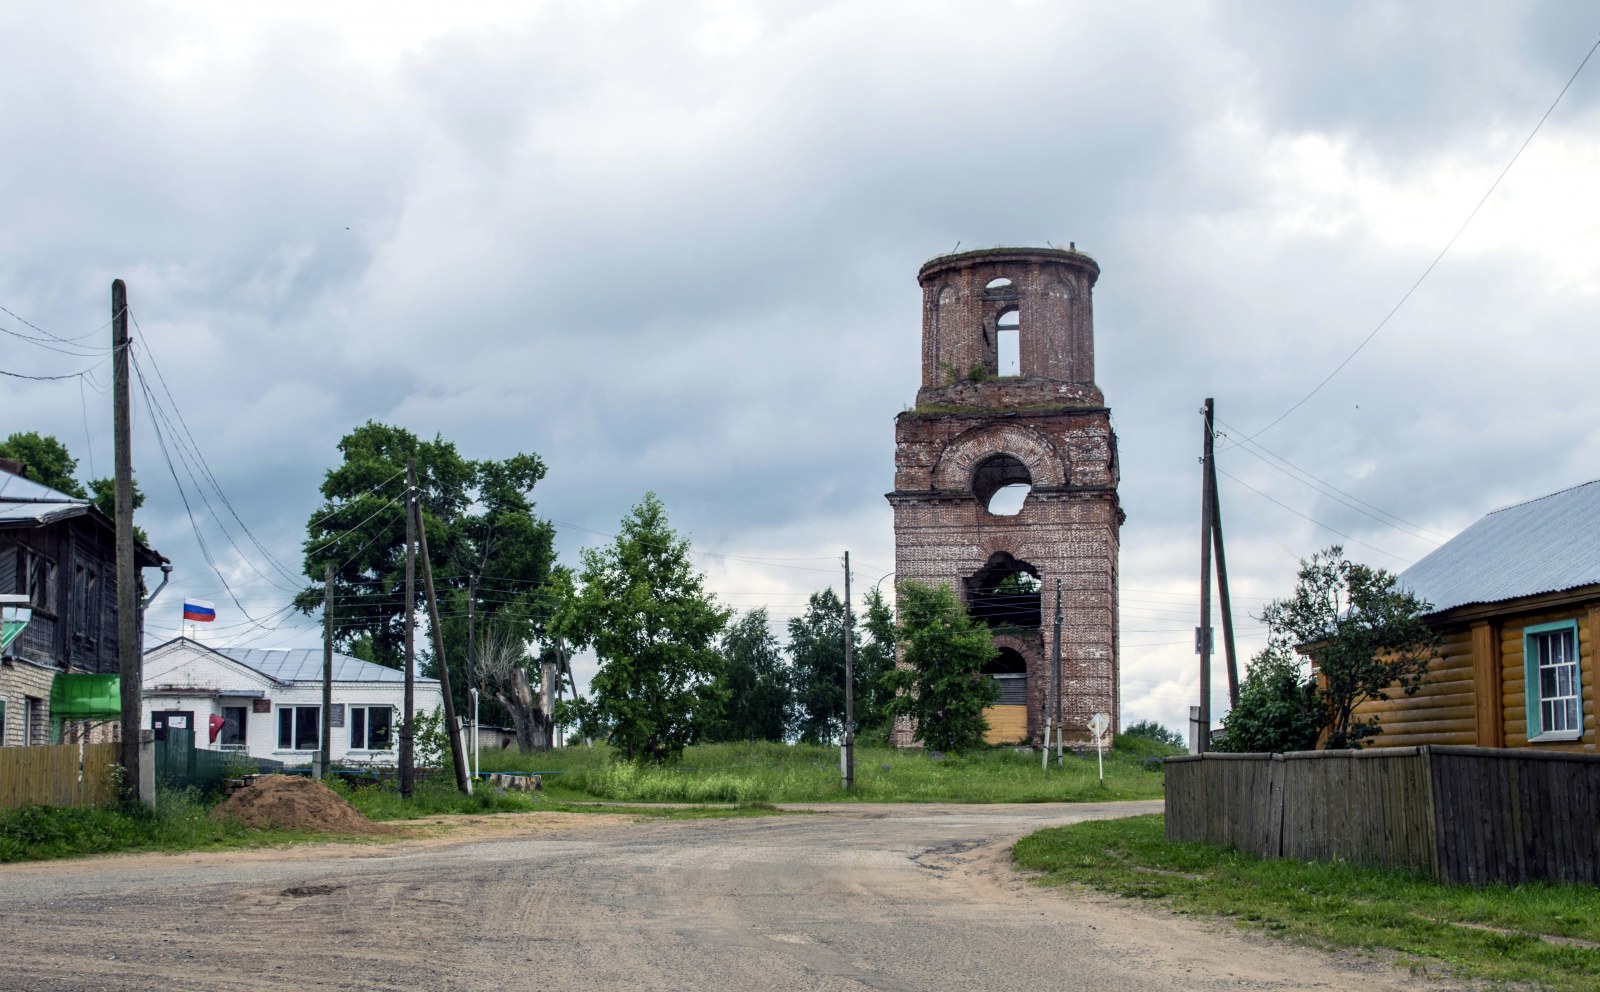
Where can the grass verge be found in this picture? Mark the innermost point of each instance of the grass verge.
(1547, 935)
(796, 773)
(178, 823)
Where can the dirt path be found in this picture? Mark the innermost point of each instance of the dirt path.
(850, 897)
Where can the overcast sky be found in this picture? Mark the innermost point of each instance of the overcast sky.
(673, 247)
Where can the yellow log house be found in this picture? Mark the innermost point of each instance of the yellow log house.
(1516, 599)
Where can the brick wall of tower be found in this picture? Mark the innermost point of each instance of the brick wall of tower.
(1050, 418)
(1068, 532)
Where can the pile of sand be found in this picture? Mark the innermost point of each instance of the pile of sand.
(290, 802)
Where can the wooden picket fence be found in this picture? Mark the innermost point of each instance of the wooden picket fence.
(1464, 814)
(58, 775)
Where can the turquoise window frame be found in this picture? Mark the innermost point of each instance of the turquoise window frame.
(1530, 675)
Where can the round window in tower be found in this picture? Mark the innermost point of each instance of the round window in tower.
(1002, 483)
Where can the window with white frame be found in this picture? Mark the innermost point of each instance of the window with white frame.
(299, 728)
(1554, 693)
(371, 728)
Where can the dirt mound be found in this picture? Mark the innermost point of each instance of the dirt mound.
(290, 802)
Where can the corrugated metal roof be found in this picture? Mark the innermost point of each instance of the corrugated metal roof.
(1544, 545)
(16, 489)
(38, 512)
(305, 665)
(24, 501)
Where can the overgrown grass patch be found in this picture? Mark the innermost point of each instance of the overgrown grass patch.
(1547, 935)
(178, 823)
(764, 772)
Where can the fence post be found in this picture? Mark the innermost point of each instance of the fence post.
(147, 767)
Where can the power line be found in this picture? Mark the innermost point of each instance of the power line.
(1314, 520)
(1442, 252)
(1335, 493)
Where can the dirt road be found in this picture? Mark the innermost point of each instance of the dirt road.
(856, 897)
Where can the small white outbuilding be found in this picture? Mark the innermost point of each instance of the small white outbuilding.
(267, 702)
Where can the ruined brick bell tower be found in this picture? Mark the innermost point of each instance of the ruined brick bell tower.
(1006, 477)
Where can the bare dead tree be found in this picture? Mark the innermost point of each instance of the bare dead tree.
(504, 662)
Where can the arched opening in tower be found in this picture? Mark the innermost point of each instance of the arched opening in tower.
(1008, 343)
(1009, 670)
(1005, 592)
(1002, 483)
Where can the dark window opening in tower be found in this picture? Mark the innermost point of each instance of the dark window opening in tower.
(1009, 671)
(1005, 593)
(1002, 484)
(1008, 343)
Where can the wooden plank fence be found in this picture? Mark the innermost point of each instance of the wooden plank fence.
(1465, 814)
(58, 775)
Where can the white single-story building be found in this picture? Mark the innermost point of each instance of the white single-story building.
(267, 702)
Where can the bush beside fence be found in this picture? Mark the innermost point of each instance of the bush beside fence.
(1464, 814)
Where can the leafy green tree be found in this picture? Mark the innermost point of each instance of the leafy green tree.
(484, 541)
(51, 464)
(1366, 637)
(1280, 708)
(816, 650)
(645, 611)
(941, 687)
(760, 704)
(1153, 731)
(47, 460)
(874, 658)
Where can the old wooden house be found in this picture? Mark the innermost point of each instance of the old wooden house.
(1516, 598)
(58, 677)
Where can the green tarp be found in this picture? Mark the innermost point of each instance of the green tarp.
(77, 696)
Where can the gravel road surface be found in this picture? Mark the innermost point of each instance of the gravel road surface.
(902, 898)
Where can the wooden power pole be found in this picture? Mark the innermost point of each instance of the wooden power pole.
(408, 753)
(129, 667)
(452, 731)
(321, 768)
(1202, 636)
(848, 755)
(1222, 592)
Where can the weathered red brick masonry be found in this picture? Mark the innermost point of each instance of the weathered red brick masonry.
(1041, 422)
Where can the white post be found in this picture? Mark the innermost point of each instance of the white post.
(476, 764)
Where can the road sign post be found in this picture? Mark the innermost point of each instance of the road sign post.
(1100, 727)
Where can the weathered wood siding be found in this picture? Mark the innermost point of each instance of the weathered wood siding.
(1007, 724)
(1366, 807)
(1233, 799)
(1443, 711)
(1517, 816)
(1514, 688)
(1465, 814)
(58, 775)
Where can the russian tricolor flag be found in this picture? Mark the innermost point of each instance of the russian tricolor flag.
(199, 609)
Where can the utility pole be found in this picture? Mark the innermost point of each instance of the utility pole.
(452, 730)
(1055, 676)
(847, 756)
(129, 667)
(408, 754)
(1202, 644)
(472, 641)
(1222, 592)
(321, 768)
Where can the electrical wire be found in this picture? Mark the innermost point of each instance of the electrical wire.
(1437, 258)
